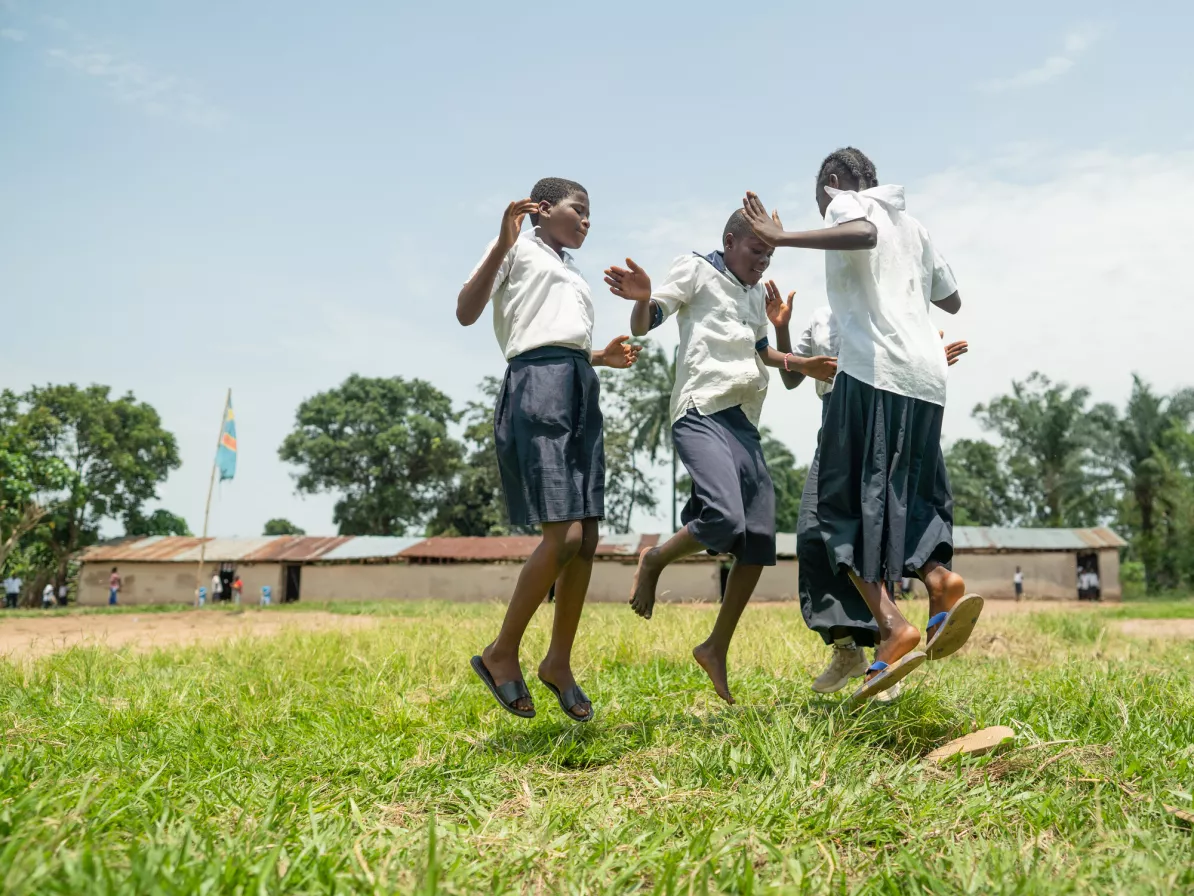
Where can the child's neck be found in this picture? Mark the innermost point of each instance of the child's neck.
(546, 239)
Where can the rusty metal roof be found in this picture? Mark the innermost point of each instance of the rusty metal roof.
(185, 549)
(483, 549)
(296, 548)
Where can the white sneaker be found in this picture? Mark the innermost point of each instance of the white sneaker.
(847, 663)
(890, 694)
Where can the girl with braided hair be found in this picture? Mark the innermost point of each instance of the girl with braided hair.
(883, 501)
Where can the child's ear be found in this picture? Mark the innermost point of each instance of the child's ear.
(545, 208)
(727, 242)
(834, 182)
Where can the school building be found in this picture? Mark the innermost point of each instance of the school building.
(165, 570)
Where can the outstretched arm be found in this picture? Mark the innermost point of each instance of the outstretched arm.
(620, 353)
(780, 315)
(632, 282)
(852, 235)
(821, 368)
(474, 295)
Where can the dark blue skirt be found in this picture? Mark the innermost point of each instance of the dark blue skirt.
(828, 599)
(550, 446)
(884, 506)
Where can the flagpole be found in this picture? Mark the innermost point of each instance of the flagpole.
(210, 488)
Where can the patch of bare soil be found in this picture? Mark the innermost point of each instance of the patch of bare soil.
(24, 638)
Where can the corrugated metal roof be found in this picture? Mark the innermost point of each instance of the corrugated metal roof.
(155, 548)
(296, 548)
(1001, 538)
(370, 547)
(481, 549)
(223, 550)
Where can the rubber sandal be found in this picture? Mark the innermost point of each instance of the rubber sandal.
(954, 628)
(888, 675)
(504, 694)
(569, 699)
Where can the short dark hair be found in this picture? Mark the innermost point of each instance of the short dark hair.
(553, 190)
(852, 164)
(737, 225)
(113, 569)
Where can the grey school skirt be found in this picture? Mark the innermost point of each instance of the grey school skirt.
(828, 599)
(884, 506)
(548, 429)
(732, 506)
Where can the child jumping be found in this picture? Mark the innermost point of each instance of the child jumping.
(884, 504)
(831, 605)
(548, 428)
(721, 381)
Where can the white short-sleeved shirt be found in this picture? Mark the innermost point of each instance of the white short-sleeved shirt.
(881, 297)
(539, 299)
(721, 321)
(819, 339)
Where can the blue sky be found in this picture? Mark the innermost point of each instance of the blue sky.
(272, 196)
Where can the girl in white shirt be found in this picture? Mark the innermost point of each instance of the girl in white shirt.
(721, 380)
(884, 505)
(547, 426)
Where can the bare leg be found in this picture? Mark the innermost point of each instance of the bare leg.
(711, 655)
(571, 589)
(945, 589)
(652, 562)
(561, 542)
(897, 636)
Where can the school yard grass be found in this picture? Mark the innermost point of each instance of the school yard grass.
(369, 760)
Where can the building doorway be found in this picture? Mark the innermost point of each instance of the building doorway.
(1090, 586)
(293, 578)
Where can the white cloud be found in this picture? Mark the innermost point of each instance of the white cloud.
(137, 85)
(1074, 44)
(16, 35)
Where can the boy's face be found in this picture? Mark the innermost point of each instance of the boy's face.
(566, 222)
(747, 257)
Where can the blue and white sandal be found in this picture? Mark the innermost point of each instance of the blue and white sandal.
(953, 628)
(889, 675)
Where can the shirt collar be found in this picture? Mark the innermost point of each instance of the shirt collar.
(886, 194)
(564, 254)
(717, 258)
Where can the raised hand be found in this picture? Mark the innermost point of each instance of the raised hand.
(621, 352)
(821, 368)
(766, 227)
(512, 221)
(630, 282)
(778, 312)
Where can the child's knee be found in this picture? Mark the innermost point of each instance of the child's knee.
(565, 539)
(588, 542)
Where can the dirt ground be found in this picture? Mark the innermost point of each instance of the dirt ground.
(30, 637)
(27, 637)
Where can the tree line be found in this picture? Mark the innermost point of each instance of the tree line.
(400, 458)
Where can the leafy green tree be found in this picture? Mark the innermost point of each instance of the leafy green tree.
(28, 479)
(984, 494)
(1148, 434)
(1058, 450)
(160, 522)
(382, 445)
(279, 526)
(643, 395)
(115, 451)
(627, 487)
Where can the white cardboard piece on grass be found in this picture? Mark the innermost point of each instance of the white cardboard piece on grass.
(976, 743)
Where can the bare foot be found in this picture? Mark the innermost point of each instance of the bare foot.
(646, 578)
(561, 677)
(945, 589)
(714, 665)
(503, 669)
(902, 641)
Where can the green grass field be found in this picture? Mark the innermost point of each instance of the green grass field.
(372, 761)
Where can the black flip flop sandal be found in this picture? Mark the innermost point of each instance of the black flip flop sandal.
(504, 694)
(569, 699)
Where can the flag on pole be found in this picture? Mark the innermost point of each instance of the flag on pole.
(226, 453)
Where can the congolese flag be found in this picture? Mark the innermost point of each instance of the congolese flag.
(226, 453)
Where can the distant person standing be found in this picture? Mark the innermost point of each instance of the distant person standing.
(63, 594)
(237, 587)
(12, 591)
(114, 586)
(1018, 581)
(217, 588)
(47, 596)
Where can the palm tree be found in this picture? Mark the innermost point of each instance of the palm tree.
(646, 395)
(1145, 432)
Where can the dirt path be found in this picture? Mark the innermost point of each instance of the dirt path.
(1158, 628)
(30, 637)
